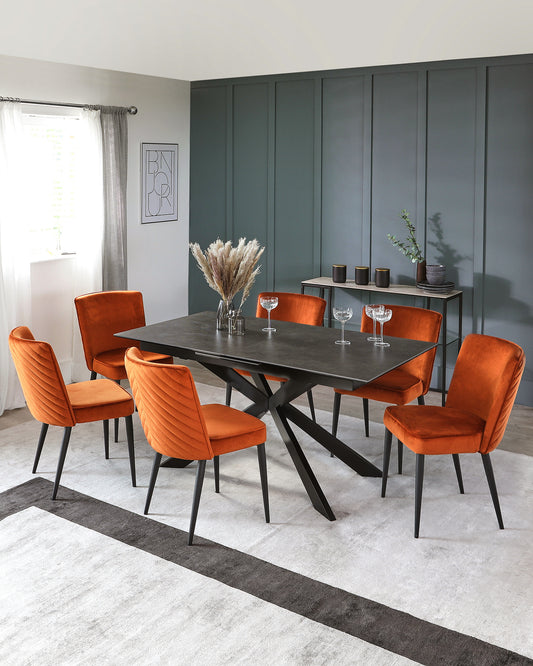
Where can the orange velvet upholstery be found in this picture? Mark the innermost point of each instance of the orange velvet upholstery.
(412, 380)
(480, 398)
(100, 316)
(52, 402)
(177, 425)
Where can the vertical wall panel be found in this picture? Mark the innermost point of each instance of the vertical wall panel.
(342, 173)
(508, 296)
(208, 183)
(250, 173)
(394, 169)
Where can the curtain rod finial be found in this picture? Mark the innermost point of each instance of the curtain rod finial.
(132, 110)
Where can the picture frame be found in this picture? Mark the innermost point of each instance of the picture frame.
(159, 182)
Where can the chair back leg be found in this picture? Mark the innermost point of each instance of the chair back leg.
(261, 456)
(457, 465)
(131, 448)
(311, 404)
(419, 482)
(487, 464)
(196, 499)
(153, 477)
(366, 417)
(40, 443)
(228, 394)
(387, 445)
(62, 456)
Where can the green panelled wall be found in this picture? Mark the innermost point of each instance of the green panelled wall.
(318, 166)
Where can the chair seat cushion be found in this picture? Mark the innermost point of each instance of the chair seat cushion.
(232, 430)
(99, 400)
(432, 430)
(111, 363)
(397, 387)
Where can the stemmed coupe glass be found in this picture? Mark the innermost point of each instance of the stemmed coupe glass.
(370, 312)
(269, 303)
(342, 313)
(382, 317)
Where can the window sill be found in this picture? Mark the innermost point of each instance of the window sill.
(57, 257)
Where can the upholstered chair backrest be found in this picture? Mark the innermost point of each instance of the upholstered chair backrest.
(414, 324)
(298, 308)
(104, 313)
(41, 379)
(169, 408)
(485, 382)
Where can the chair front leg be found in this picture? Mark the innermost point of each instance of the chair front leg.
(228, 394)
(216, 465)
(419, 481)
(196, 499)
(387, 444)
(366, 417)
(457, 465)
(42, 437)
(131, 448)
(62, 455)
(153, 477)
(106, 439)
(487, 464)
(261, 456)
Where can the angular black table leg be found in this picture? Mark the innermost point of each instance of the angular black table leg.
(317, 497)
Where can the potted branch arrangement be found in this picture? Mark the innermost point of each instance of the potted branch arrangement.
(228, 270)
(410, 247)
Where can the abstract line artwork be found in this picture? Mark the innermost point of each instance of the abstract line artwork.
(159, 186)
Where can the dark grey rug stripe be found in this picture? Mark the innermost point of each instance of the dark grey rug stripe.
(375, 623)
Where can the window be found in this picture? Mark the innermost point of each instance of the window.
(54, 156)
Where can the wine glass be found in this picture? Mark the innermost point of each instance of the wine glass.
(382, 317)
(342, 313)
(269, 303)
(370, 312)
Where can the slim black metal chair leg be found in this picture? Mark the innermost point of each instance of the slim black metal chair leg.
(131, 448)
(487, 464)
(457, 465)
(62, 456)
(196, 499)
(419, 481)
(228, 394)
(93, 375)
(116, 420)
(366, 417)
(153, 477)
(216, 464)
(261, 457)
(311, 404)
(106, 439)
(387, 445)
(400, 457)
(42, 437)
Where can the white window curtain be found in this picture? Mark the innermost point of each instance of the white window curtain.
(15, 261)
(14, 248)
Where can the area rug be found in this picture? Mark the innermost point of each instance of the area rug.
(356, 590)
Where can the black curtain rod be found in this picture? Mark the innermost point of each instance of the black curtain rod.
(132, 110)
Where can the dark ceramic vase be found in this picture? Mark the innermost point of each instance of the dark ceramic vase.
(421, 271)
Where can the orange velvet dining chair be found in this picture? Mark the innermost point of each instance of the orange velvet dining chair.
(177, 425)
(480, 398)
(297, 308)
(410, 381)
(52, 402)
(102, 314)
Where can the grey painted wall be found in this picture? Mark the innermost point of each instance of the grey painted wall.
(318, 167)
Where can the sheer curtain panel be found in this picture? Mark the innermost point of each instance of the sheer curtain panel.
(15, 213)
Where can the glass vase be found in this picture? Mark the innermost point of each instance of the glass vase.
(223, 312)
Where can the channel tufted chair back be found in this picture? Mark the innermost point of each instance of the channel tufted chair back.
(177, 425)
(52, 402)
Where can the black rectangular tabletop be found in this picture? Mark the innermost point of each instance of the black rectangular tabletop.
(294, 350)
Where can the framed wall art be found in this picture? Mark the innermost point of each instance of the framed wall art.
(159, 182)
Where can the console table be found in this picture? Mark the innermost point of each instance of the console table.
(326, 283)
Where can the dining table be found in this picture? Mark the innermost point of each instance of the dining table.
(304, 356)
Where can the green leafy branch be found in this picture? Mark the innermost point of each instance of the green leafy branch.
(410, 247)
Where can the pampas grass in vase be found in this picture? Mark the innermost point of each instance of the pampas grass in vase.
(228, 270)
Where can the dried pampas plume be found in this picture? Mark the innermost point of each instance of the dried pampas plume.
(229, 269)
